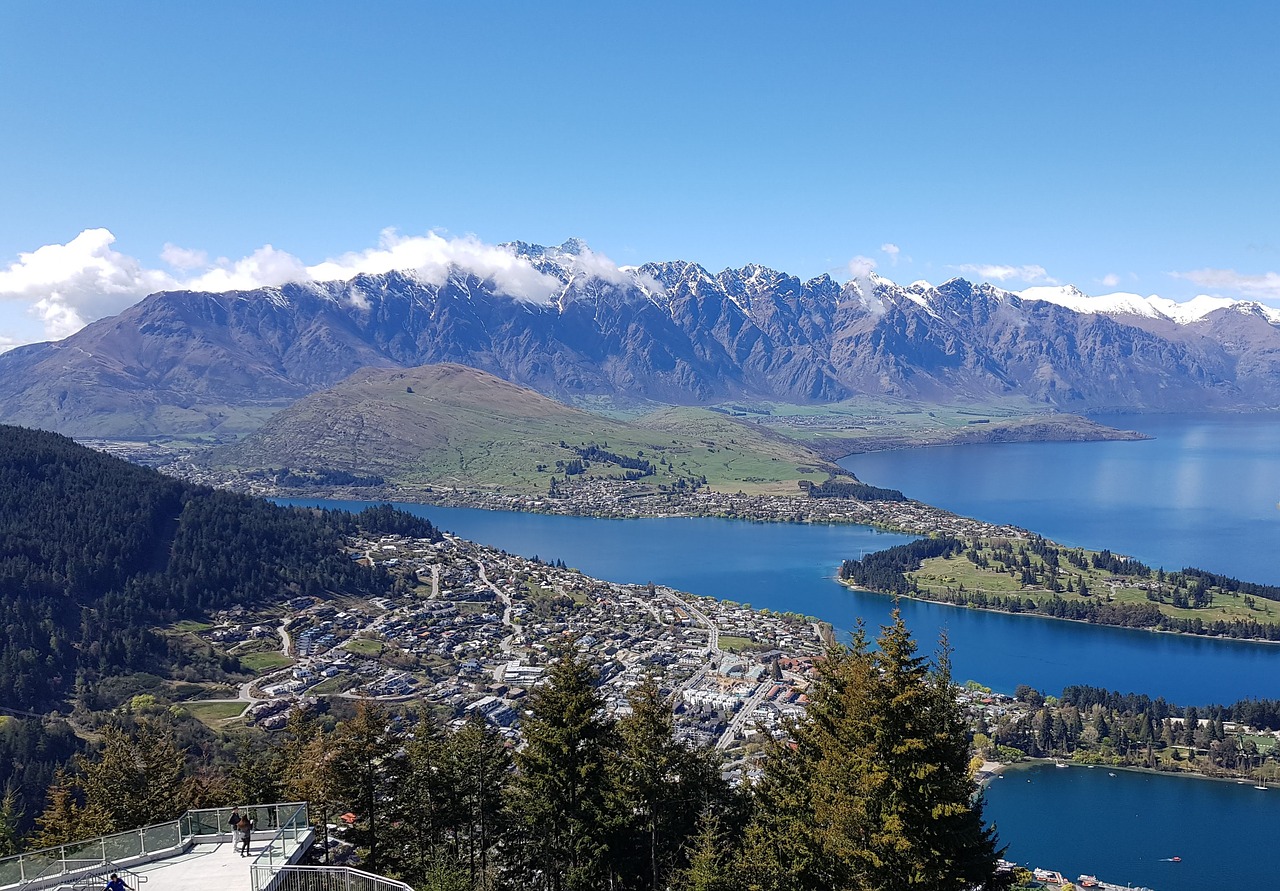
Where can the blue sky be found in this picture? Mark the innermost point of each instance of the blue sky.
(1116, 146)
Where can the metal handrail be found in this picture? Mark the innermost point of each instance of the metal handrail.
(322, 878)
(60, 860)
(99, 877)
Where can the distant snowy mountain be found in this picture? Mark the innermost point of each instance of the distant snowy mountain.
(1152, 307)
(568, 323)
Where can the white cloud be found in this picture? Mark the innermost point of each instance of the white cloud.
(862, 267)
(892, 250)
(264, 268)
(184, 258)
(432, 258)
(1265, 286)
(1110, 280)
(68, 285)
(1001, 273)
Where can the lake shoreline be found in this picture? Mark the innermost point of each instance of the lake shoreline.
(1030, 762)
(1035, 615)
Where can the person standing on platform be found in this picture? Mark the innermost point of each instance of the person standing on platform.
(245, 828)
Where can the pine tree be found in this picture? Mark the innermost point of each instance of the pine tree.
(59, 823)
(426, 800)
(10, 817)
(558, 797)
(875, 793)
(659, 786)
(480, 770)
(365, 767)
(710, 856)
(137, 778)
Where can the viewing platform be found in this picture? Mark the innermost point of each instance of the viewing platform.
(195, 852)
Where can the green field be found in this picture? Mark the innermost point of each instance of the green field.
(261, 663)
(190, 625)
(215, 713)
(732, 643)
(950, 573)
(866, 423)
(365, 646)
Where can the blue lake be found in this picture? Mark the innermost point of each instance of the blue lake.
(1127, 828)
(1202, 493)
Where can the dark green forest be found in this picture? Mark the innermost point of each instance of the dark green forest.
(96, 552)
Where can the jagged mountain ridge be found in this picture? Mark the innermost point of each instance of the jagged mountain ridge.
(669, 332)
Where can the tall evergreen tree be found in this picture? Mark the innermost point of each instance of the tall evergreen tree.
(710, 856)
(660, 786)
(59, 823)
(135, 779)
(875, 793)
(480, 771)
(559, 794)
(365, 766)
(10, 818)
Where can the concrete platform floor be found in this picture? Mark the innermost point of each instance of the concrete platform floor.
(206, 867)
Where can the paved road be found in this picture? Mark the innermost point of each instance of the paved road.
(743, 716)
(508, 606)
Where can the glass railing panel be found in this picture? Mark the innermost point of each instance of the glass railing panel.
(86, 850)
(160, 838)
(122, 845)
(10, 871)
(42, 863)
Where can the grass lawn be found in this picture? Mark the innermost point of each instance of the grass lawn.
(365, 646)
(333, 685)
(191, 625)
(732, 643)
(215, 713)
(260, 663)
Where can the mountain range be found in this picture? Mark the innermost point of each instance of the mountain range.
(671, 332)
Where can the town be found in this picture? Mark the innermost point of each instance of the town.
(470, 629)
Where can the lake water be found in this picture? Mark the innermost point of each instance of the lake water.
(1125, 828)
(792, 567)
(1203, 493)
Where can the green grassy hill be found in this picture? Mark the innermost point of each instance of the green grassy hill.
(455, 425)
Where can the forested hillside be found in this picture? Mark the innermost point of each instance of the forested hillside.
(96, 552)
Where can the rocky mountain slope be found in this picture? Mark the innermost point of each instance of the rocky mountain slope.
(667, 332)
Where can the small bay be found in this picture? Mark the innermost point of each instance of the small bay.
(1126, 826)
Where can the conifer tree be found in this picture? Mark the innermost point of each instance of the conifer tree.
(875, 793)
(660, 786)
(426, 800)
(365, 767)
(480, 770)
(710, 858)
(135, 779)
(10, 817)
(59, 823)
(558, 797)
